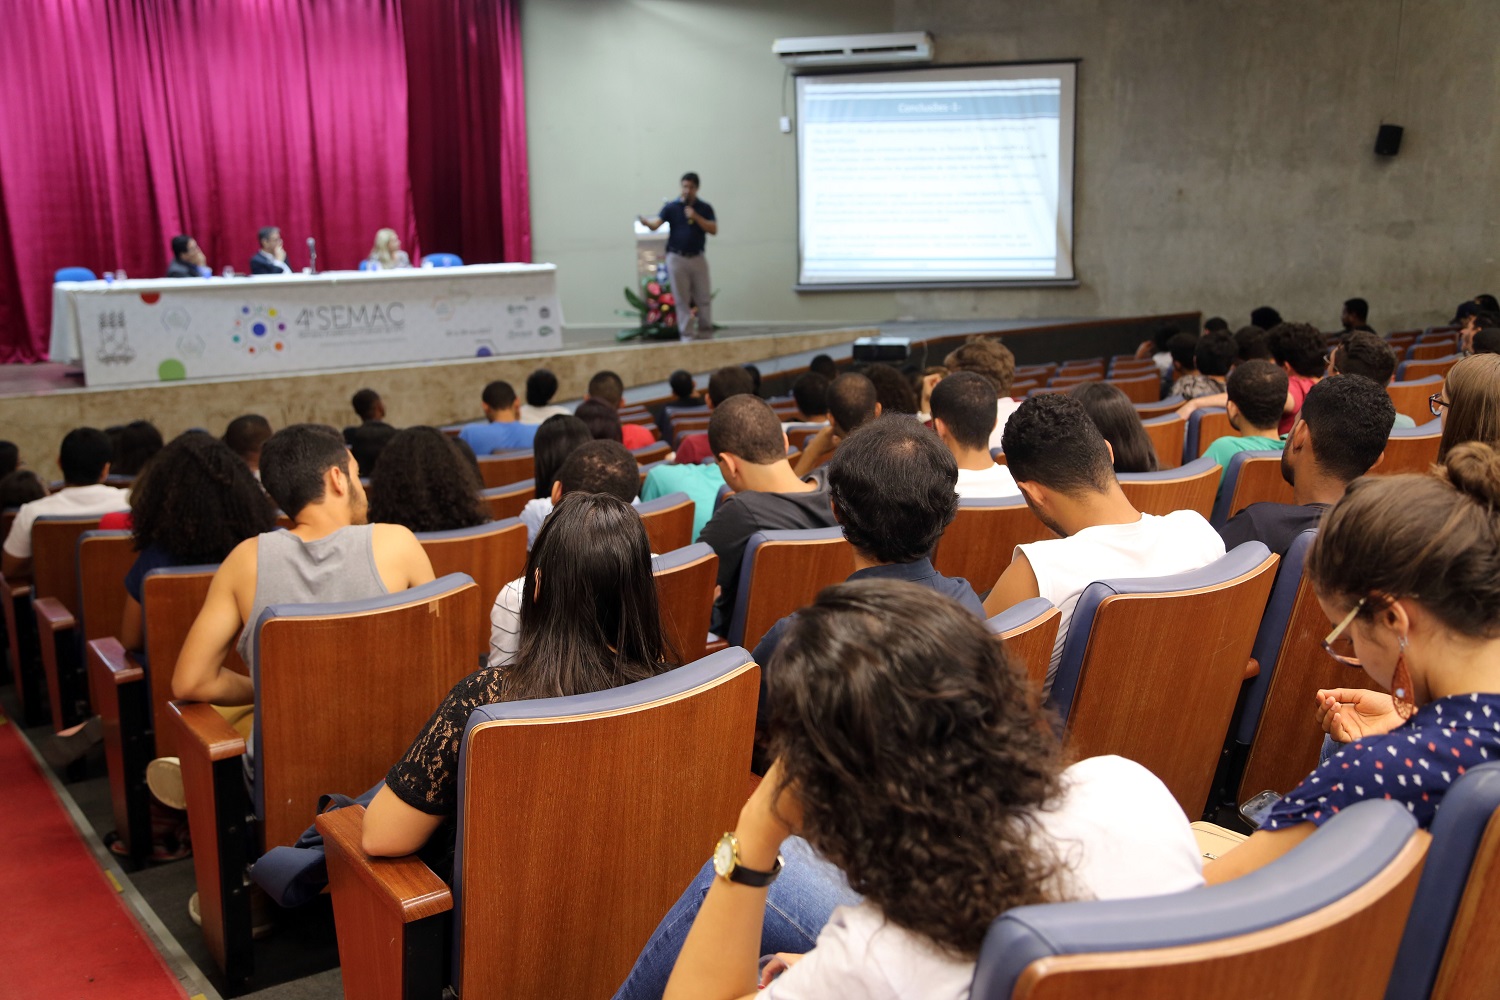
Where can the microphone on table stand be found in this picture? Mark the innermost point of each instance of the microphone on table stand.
(312, 254)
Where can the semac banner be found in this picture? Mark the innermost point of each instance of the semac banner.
(147, 332)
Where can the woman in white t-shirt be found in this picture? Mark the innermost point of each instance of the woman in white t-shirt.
(911, 754)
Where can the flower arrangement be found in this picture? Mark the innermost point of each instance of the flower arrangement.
(654, 306)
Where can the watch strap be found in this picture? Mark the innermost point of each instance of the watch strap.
(751, 877)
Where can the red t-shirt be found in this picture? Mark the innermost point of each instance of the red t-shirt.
(636, 436)
(693, 449)
(1297, 385)
(119, 520)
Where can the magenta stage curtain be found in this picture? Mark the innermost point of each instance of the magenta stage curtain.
(123, 122)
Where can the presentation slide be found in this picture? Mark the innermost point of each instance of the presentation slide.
(954, 175)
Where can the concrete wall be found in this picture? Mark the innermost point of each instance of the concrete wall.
(1224, 150)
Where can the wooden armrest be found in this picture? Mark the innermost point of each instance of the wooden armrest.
(405, 886)
(109, 656)
(15, 587)
(208, 731)
(1252, 669)
(51, 615)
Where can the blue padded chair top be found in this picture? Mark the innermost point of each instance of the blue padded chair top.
(1432, 427)
(74, 518)
(661, 503)
(680, 557)
(443, 260)
(969, 503)
(473, 531)
(1013, 617)
(724, 492)
(184, 570)
(1231, 476)
(510, 453)
(1457, 831)
(368, 265)
(1190, 447)
(1272, 632)
(1196, 467)
(1242, 559)
(74, 274)
(648, 447)
(524, 484)
(1424, 380)
(747, 563)
(1178, 400)
(1401, 368)
(651, 465)
(1164, 418)
(1344, 854)
(995, 453)
(805, 426)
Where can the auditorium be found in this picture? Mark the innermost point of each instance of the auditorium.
(703, 500)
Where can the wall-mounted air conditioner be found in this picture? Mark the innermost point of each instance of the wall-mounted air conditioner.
(854, 50)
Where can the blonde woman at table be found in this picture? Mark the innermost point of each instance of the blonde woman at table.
(387, 252)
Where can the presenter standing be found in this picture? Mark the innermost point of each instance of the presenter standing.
(692, 222)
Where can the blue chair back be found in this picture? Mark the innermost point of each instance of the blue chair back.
(442, 260)
(661, 503)
(1224, 503)
(74, 274)
(1360, 844)
(370, 265)
(1017, 615)
(1465, 816)
(1272, 633)
(1190, 434)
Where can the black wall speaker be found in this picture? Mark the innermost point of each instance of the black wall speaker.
(1388, 140)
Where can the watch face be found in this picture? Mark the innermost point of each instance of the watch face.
(724, 857)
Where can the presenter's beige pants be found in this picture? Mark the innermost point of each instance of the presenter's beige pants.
(690, 287)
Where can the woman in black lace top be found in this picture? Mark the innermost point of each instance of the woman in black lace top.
(589, 621)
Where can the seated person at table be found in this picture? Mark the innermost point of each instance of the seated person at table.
(84, 460)
(271, 257)
(541, 386)
(387, 252)
(592, 553)
(1257, 393)
(750, 447)
(1116, 417)
(423, 482)
(188, 260)
(557, 438)
(1339, 436)
(963, 415)
(1063, 467)
(501, 429)
(608, 388)
(853, 401)
(1366, 354)
(596, 467)
(811, 393)
(1405, 568)
(939, 799)
(726, 382)
(245, 436)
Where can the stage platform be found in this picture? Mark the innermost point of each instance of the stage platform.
(40, 403)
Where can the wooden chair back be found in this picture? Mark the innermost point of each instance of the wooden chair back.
(104, 557)
(508, 501)
(1144, 388)
(1133, 680)
(1161, 407)
(1166, 433)
(978, 545)
(1430, 350)
(540, 875)
(797, 435)
(668, 521)
(1353, 880)
(492, 554)
(685, 593)
(1204, 427)
(1189, 487)
(1409, 371)
(54, 550)
(1067, 379)
(1029, 631)
(783, 571)
(685, 425)
(506, 468)
(1252, 477)
(171, 600)
(1411, 398)
(1411, 449)
(330, 711)
(652, 452)
(1081, 364)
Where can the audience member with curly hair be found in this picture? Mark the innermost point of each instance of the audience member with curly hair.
(424, 483)
(918, 790)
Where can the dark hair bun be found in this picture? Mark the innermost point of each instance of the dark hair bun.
(1474, 468)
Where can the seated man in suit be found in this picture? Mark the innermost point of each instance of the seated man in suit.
(963, 415)
(271, 257)
(1339, 436)
(731, 380)
(1065, 469)
(84, 459)
(853, 401)
(501, 429)
(891, 487)
(188, 260)
(750, 448)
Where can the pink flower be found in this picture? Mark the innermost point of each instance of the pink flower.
(653, 316)
(653, 288)
(668, 300)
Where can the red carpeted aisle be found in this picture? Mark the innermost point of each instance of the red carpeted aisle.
(66, 932)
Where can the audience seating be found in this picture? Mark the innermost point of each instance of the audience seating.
(669, 522)
(797, 435)
(1134, 680)
(1411, 398)
(1451, 948)
(1168, 405)
(23, 655)
(781, 572)
(1166, 432)
(1204, 427)
(442, 259)
(103, 559)
(1430, 350)
(509, 501)
(978, 545)
(685, 591)
(652, 452)
(1411, 449)
(554, 895)
(1019, 390)
(1408, 371)
(673, 413)
(1321, 921)
(1252, 477)
(1096, 362)
(1029, 631)
(1068, 379)
(54, 593)
(329, 717)
(132, 699)
(1144, 388)
(73, 274)
(1188, 487)
(505, 467)
(493, 554)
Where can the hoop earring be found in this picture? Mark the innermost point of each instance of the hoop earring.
(1402, 687)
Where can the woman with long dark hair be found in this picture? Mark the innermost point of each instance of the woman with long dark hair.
(424, 483)
(1115, 416)
(589, 621)
(556, 439)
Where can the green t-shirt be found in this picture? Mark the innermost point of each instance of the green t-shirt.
(701, 482)
(1225, 448)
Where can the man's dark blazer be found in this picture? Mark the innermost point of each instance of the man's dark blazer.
(264, 263)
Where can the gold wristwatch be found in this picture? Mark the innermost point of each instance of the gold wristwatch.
(727, 865)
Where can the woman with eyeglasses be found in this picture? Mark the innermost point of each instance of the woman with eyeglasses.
(1469, 403)
(1408, 570)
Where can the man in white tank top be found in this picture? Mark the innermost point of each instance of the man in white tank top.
(1065, 469)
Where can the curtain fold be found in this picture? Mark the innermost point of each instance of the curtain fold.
(127, 121)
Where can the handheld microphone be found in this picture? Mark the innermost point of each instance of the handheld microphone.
(312, 254)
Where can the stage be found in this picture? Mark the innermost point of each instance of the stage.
(40, 403)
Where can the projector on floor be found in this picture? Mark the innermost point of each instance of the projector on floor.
(882, 348)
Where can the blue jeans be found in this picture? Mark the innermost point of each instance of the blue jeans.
(798, 904)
